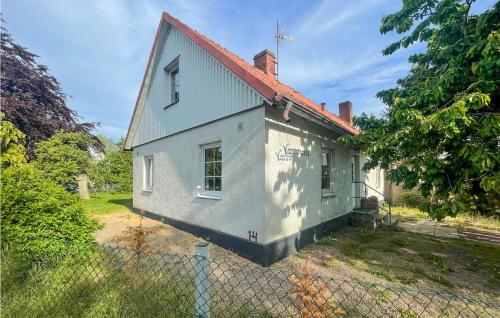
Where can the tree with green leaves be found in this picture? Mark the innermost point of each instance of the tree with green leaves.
(114, 170)
(12, 151)
(441, 126)
(106, 142)
(31, 98)
(64, 156)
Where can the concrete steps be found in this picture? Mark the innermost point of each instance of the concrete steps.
(370, 218)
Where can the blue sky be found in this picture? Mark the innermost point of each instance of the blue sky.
(98, 49)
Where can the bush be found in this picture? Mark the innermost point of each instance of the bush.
(113, 171)
(64, 156)
(38, 215)
(12, 151)
(411, 199)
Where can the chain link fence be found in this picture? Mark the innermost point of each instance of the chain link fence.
(104, 281)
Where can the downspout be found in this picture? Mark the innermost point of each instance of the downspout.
(286, 112)
(279, 100)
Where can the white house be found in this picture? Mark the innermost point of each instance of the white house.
(225, 151)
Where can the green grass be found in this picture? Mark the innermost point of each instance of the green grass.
(107, 202)
(87, 284)
(104, 283)
(399, 241)
(332, 263)
(352, 248)
(462, 220)
(367, 235)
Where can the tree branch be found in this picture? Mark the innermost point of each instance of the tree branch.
(466, 16)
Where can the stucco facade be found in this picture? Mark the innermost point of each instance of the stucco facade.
(178, 176)
(271, 173)
(294, 198)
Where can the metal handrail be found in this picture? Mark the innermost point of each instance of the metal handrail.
(366, 185)
(380, 206)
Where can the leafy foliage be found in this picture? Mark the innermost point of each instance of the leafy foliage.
(31, 98)
(442, 123)
(38, 215)
(114, 170)
(12, 151)
(64, 156)
(107, 142)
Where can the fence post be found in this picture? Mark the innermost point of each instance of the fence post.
(390, 215)
(202, 281)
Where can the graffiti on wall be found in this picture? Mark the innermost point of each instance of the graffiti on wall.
(288, 153)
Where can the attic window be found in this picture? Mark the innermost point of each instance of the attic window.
(174, 85)
(173, 82)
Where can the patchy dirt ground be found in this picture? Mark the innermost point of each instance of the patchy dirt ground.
(407, 259)
(382, 256)
(167, 238)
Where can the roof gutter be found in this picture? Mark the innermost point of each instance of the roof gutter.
(288, 104)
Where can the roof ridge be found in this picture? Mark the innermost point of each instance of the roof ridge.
(207, 38)
(251, 68)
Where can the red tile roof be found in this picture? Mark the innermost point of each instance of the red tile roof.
(263, 83)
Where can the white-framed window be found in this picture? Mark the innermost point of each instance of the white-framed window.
(173, 70)
(212, 169)
(327, 165)
(148, 173)
(174, 85)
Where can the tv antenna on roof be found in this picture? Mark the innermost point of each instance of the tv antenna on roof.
(280, 37)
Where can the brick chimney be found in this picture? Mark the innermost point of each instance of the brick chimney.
(265, 61)
(345, 111)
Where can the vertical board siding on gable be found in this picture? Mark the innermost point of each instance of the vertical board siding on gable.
(208, 91)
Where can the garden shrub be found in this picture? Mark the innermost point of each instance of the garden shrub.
(12, 151)
(64, 156)
(38, 215)
(114, 171)
(411, 199)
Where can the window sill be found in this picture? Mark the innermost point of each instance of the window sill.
(328, 193)
(171, 104)
(209, 196)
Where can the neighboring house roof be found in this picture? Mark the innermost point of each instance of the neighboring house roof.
(265, 84)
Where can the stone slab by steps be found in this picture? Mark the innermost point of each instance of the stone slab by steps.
(430, 228)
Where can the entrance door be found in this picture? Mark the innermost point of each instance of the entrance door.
(355, 178)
